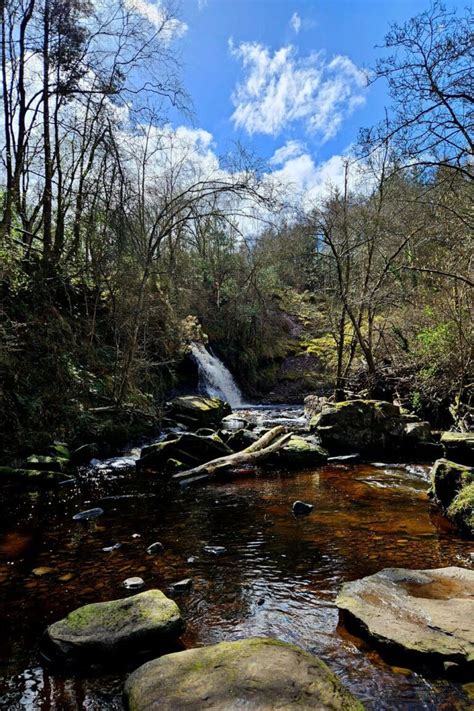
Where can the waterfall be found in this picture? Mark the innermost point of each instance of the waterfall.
(214, 378)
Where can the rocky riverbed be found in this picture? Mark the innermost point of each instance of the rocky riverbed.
(231, 554)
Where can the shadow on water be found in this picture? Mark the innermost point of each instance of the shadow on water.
(279, 577)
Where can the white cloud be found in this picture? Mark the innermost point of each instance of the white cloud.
(291, 149)
(282, 88)
(295, 22)
(153, 11)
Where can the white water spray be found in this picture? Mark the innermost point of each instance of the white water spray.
(214, 378)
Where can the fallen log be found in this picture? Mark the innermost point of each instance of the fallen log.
(269, 443)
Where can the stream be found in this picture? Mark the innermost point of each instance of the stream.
(279, 577)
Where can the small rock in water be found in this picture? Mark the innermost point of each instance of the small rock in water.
(87, 515)
(133, 583)
(182, 585)
(155, 548)
(192, 559)
(215, 550)
(300, 508)
(136, 535)
(471, 556)
(66, 577)
(42, 570)
(115, 547)
(345, 459)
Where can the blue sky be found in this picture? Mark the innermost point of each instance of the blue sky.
(286, 77)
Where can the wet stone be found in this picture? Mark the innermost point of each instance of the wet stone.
(215, 550)
(134, 583)
(155, 548)
(301, 508)
(88, 514)
(182, 585)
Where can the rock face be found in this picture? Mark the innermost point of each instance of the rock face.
(452, 486)
(252, 674)
(195, 412)
(427, 613)
(186, 450)
(459, 447)
(104, 628)
(368, 426)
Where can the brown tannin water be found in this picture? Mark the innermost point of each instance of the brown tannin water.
(279, 578)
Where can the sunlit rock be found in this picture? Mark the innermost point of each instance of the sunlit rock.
(426, 613)
(257, 674)
(133, 623)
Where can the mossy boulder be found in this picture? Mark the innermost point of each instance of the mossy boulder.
(188, 449)
(426, 614)
(452, 486)
(258, 674)
(447, 480)
(136, 623)
(461, 510)
(459, 447)
(360, 425)
(371, 427)
(302, 452)
(33, 477)
(195, 411)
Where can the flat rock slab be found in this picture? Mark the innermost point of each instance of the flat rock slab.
(147, 619)
(427, 613)
(251, 674)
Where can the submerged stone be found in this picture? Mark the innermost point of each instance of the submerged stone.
(427, 613)
(134, 583)
(133, 623)
(215, 550)
(258, 674)
(88, 514)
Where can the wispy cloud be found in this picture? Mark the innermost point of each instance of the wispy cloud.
(295, 22)
(157, 15)
(291, 149)
(282, 88)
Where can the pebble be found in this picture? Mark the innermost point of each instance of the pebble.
(115, 547)
(87, 515)
(133, 583)
(42, 570)
(215, 550)
(192, 559)
(300, 508)
(182, 585)
(155, 548)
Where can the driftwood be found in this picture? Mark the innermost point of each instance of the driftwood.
(271, 442)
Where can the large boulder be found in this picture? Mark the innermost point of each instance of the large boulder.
(254, 674)
(360, 425)
(136, 623)
(428, 614)
(452, 487)
(194, 411)
(183, 451)
(372, 426)
(459, 447)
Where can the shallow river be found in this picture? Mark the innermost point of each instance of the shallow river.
(279, 578)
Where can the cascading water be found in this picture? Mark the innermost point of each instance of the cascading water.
(214, 378)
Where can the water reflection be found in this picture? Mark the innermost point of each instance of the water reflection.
(279, 577)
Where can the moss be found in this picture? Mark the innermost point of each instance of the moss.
(461, 510)
(448, 478)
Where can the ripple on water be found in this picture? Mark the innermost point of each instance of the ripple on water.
(279, 577)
